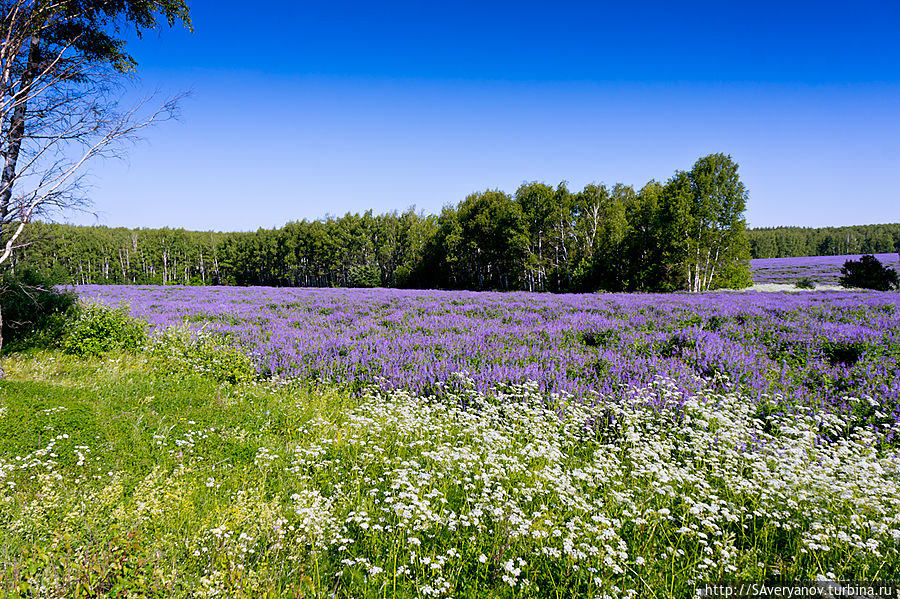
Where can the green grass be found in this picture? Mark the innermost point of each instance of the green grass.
(120, 478)
(130, 423)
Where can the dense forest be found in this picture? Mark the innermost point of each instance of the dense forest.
(786, 242)
(688, 233)
(401, 249)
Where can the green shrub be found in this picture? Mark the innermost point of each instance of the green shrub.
(868, 273)
(805, 283)
(34, 313)
(183, 349)
(364, 275)
(99, 329)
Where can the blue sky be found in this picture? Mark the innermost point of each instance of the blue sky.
(304, 109)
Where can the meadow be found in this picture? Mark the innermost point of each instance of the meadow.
(799, 349)
(375, 443)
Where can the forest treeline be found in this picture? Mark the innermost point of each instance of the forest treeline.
(787, 242)
(688, 233)
(356, 249)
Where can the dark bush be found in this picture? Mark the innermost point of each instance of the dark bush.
(603, 338)
(677, 346)
(34, 312)
(805, 283)
(868, 273)
(847, 353)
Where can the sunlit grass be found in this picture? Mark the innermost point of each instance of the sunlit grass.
(119, 479)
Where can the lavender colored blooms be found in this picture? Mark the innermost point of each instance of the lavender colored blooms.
(811, 350)
(824, 270)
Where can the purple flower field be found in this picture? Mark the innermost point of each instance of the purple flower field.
(813, 349)
(823, 270)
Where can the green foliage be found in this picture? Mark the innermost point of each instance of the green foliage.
(186, 350)
(790, 242)
(364, 275)
(490, 242)
(34, 312)
(87, 32)
(805, 283)
(711, 228)
(98, 329)
(601, 338)
(868, 273)
(734, 274)
(847, 353)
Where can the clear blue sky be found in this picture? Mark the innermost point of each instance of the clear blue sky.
(303, 109)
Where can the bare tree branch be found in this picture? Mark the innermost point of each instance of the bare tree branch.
(61, 71)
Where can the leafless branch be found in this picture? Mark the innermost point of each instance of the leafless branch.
(58, 110)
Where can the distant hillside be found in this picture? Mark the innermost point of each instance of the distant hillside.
(791, 242)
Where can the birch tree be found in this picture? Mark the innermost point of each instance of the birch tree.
(718, 236)
(62, 67)
(536, 202)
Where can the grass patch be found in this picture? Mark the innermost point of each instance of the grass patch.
(119, 477)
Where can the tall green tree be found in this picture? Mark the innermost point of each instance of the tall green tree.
(672, 231)
(442, 255)
(493, 241)
(707, 208)
(536, 201)
(644, 244)
(589, 219)
(562, 240)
